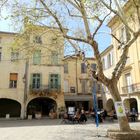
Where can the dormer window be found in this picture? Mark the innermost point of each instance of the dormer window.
(37, 39)
(14, 56)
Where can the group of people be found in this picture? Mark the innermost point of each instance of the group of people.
(131, 114)
(79, 116)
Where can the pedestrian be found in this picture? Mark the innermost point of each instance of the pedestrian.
(134, 114)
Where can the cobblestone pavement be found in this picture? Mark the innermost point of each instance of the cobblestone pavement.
(47, 129)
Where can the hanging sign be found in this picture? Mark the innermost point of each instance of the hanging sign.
(120, 110)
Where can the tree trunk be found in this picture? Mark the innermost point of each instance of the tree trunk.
(123, 121)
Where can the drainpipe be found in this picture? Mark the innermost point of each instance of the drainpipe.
(25, 85)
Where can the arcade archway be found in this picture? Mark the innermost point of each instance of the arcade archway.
(110, 105)
(131, 103)
(9, 106)
(41, 105)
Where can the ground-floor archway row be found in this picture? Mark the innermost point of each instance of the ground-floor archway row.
(110, 105)
(130, 103)
(9, 106)
(41, 105)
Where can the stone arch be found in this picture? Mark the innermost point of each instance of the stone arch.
(9, 106)
(110, 105)
(130, 103)
(42, 105)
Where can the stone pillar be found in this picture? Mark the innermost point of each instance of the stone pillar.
(138, 103)
(23, 112)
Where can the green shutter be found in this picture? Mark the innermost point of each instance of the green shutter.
(37, 57)
(49, 82)
(40, 79)
(31, 80)
(59, 81)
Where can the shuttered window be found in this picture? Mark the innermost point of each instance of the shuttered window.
(13, 80)
(54, 81)
(37, 57)
(36, 79)
(83, 68)
(54, 58)
(65, 68)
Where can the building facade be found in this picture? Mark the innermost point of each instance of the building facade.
(31, 74)
(78, 85)
(129, 83)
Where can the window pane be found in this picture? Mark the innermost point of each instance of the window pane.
(37, 57)
(93, 66)
(54, 58)
(83, 68)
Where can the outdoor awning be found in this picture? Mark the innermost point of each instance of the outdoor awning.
(78, 98)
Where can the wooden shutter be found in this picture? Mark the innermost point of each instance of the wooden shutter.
(13, 76)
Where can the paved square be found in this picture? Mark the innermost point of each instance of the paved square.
(47, 129)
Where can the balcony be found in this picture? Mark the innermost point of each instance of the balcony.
(134, 88)
(44, 90)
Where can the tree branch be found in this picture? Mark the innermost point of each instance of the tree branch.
(60, 25)
(83, 12)
(121, 63)
(137, 9)
(100, 24)
(120, 15)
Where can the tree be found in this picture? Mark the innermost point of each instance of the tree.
(85, 11)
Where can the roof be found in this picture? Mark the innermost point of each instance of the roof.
(107, 49)
(3, 32)
(75, 57)
(113, 19)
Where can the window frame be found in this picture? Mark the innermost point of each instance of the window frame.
(12, 81)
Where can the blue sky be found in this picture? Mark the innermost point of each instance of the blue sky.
(103, 40)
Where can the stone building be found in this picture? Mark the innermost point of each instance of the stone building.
(31, 72)
(78, 86)
(129, 83)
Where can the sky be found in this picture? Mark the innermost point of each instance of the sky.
(104, 40)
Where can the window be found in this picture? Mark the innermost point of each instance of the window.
(109, 60)
(37, 57)
(37, 39)
(13, 80)
(123, 35)
(65, 68)
(93, 66)
(128, 82)
(83, 68)
(84, 86)
(0, 53)
(66, 86)
(54, 58)
(54, 81)
(14, 56)
(72, 89)
(103, 63)
(36, 80)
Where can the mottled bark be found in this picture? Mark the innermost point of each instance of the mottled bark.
(123, 121)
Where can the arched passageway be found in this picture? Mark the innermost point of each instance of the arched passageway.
(131, 103)
(41, 105)
(110, 105)
(9, 106)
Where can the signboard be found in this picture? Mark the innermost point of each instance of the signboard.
(71, 110)
(120, 110)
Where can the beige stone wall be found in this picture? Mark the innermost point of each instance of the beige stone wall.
(49, 44)
(133, 64)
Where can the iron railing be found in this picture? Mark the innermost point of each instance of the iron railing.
(44, 89)
(131, 88)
